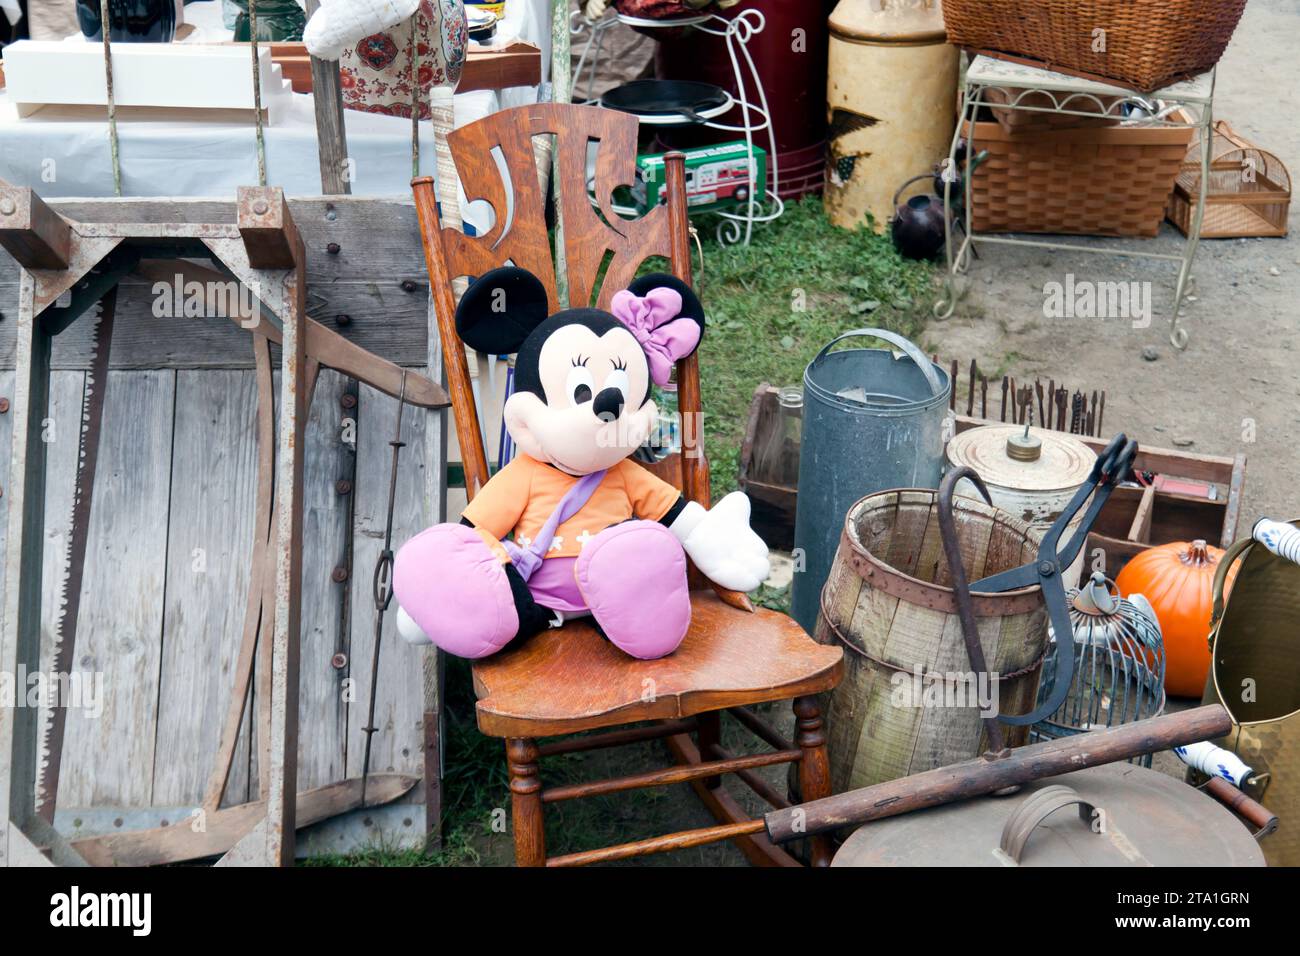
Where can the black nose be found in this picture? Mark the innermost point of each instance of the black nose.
(608, 404)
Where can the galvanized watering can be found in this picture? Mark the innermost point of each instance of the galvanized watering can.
(872, 421)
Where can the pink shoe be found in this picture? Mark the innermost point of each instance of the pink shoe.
(633, 577)
(455, 589)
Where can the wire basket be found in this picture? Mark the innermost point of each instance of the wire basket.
(1119, 664)
(1249, 192)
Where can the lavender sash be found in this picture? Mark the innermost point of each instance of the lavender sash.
(527, 560)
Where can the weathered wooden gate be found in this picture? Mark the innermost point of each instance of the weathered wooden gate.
(168, 559)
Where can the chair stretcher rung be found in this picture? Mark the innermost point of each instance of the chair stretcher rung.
(617, 738)
(659, 844)
(679, 774)
(760, 728)
(751, 780)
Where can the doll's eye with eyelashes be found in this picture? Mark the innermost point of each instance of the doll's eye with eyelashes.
(580, 386)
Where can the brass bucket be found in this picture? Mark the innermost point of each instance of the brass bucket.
(1256, 676)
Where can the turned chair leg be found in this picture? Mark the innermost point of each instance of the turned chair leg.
(814, 768)
(526, 802)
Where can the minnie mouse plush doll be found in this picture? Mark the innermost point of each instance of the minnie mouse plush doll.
(593, 532)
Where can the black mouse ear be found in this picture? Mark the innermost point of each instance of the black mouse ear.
(499, 309)
(692, 307)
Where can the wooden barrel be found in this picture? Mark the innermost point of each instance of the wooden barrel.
(908, 701)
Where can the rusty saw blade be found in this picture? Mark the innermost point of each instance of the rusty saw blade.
(50, 751)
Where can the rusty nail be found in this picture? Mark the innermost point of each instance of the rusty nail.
(260, 207)
(408, 285)
(4, 405)
(343, 486)
(343, 319)
(339, 661)
(7, 207)
(348, 400)
(339, 574)
(333, 248)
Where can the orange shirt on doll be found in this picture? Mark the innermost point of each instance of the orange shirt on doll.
(523, 494)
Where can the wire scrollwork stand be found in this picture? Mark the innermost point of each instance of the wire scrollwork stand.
(1072, 96)
(761, 204)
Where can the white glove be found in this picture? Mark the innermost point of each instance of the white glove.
(722, 544)
(339, 24)
(409, 630)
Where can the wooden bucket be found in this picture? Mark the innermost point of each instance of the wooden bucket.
(908, 701)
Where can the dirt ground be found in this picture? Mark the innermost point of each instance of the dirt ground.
(1242, 362)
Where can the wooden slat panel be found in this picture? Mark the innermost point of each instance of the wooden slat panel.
(110, 759)
(398, 711)
(322, 714)
(214, 481)
(384, 318)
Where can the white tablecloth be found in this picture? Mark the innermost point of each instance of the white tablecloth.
(63, 153)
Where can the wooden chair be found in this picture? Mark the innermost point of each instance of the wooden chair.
(570, 680)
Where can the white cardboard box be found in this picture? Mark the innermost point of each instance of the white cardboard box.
(167, 76)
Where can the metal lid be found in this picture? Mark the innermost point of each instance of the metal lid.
(1063, 461)
(1151, 819)
(889, 21)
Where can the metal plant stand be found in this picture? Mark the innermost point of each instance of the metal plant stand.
(1185, 104)
(762, 205)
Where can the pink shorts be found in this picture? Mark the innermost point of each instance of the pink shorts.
(554, 586)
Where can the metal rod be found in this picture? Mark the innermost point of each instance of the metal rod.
(257, 93)
(112, 105)
(383, 586)
(415, 96)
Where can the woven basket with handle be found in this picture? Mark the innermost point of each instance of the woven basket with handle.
(1140, 44)
(1099, 181)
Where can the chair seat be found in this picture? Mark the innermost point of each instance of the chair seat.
(571, 678)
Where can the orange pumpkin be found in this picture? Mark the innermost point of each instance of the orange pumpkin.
(1178, 580)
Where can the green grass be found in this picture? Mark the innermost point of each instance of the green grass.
(771, 307)
(774, 304)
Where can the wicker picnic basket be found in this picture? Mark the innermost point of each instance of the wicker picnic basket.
(1146, 44)
(1096, 181)
(1249, 192)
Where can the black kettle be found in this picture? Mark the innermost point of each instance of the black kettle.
(918, 225)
